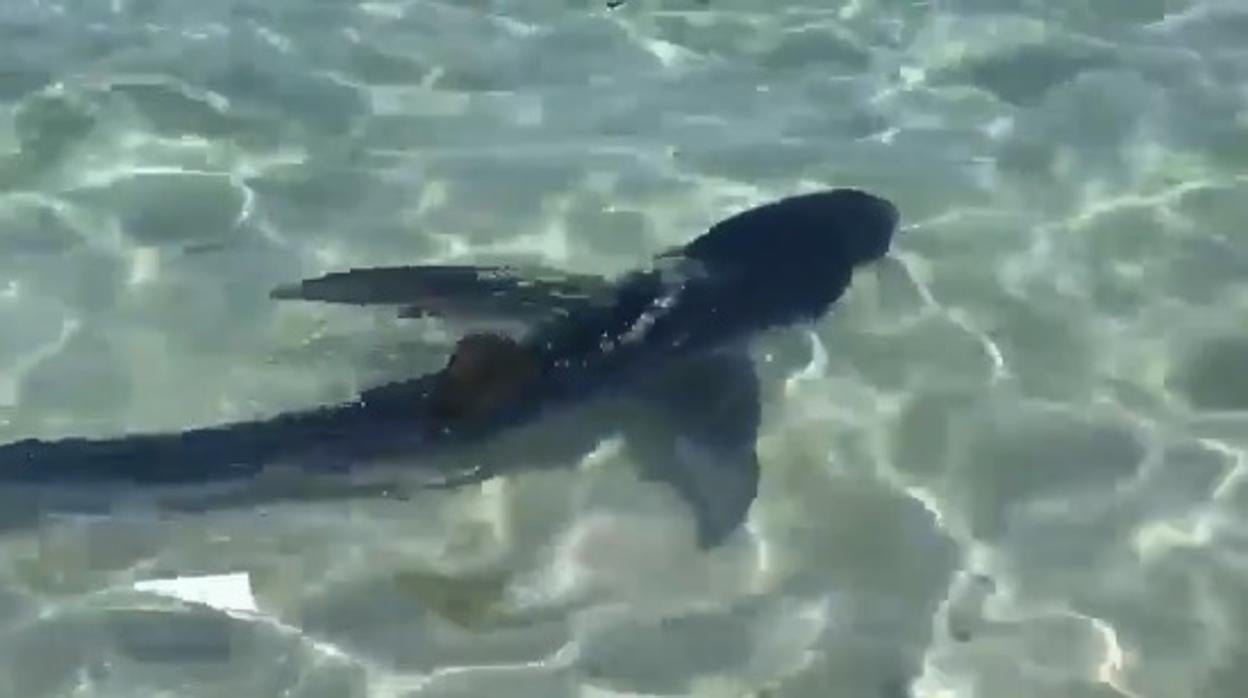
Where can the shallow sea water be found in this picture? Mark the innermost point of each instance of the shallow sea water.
(1011, 463)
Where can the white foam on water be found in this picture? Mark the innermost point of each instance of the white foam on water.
(224, 592)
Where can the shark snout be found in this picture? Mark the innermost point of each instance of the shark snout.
(866, 223)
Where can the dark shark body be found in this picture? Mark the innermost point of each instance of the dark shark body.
(668, 337)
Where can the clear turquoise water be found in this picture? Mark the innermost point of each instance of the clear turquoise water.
(1010, 464)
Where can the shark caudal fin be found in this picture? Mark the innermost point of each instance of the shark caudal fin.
(138, 459)
(206, 454)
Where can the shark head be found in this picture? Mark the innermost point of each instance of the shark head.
(794, 257)
(834, 228)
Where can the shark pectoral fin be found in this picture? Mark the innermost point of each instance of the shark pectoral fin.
(454, 291)
(720, 485)
(698, 434)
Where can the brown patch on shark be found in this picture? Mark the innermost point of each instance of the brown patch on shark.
(485, 373)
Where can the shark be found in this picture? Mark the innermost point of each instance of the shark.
(669, 339)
